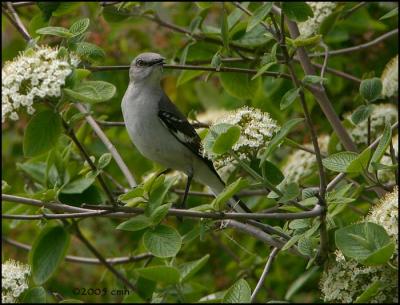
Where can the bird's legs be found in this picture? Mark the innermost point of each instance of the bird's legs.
(188, 182)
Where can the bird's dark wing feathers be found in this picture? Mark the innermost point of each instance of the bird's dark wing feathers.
(184, 132)
(179, 126)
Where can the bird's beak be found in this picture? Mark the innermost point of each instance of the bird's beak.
(159, 61)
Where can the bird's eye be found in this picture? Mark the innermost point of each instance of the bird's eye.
(140, 62)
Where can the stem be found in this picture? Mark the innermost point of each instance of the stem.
(267, 267)
(110, 147)
(16, 21)
(83, 259)
(70, 132)
(96, 253)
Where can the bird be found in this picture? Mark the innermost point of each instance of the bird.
(160, 132)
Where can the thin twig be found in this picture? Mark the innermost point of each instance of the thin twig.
(100, 257)
(110, 147)
(16, 21)
(353, 9)
(196, 68)
(83, 259)
(324, 65)
(338, 73)
(70, 132)
(261, 281)
(360, 46)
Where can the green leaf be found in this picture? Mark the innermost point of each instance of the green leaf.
(300, 281)
(366, 242)
(163, 241)
(79, 27)
(160, 274)
(239, 292)
(92, 92)
(136, 223)
(48, 250)
(48, 8)
(104, 160)
(225, 140)
(204, 5)
(361, 113)
(89, 51)
(187, 270)
(272, 173)
(340, 161)
(230, 190)
(360, 163)
(290, 191)
(383, 144)
(392, 13)
(313, 79)
(380, 256)
(304, 42)
(77, 186)
(370, 89)
(239, 85)
(55, 31)
(158, 193)
(65, 8)
(278, 138)
(42, 133)
(187, 75)
(289, 97)
(76, 77)
(299, 224)
(225, 29)
(305, 246)
(263, 69)
(259, 15)
(159, 213)
(369, 293)
(294, 239)
(297, 11)
(131, 196)
(35, 295)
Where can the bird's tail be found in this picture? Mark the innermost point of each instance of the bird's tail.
(207, 175)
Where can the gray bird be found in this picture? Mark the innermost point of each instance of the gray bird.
(160, 131)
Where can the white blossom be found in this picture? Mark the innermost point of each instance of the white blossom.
(345, 279)
(14, 280)
(380, 114)
(301, 163)
(257, 129)
(321, 10)
(390, 78)
(33, 75)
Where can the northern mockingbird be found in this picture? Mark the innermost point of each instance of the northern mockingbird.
(160, 131)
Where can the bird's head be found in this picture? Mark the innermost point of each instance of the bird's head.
(146, 67)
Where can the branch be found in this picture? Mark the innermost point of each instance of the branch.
(70, 132)
(82, 259)
(259, 234)
(110, 147)
(126, 212)
(96, 253)
(267, 267)
(16, 21)
(193, 67)
(338, 73)
(359, 47)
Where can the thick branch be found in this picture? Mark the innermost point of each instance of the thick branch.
(16, 21)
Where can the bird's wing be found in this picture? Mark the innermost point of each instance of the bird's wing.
(180, 128)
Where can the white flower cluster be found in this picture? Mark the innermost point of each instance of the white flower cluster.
(257, 128)
(301, 163)
(321, 10)
(14, 280)
(344, 279)
(390, 78)
(36, 73)
(380, 114)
